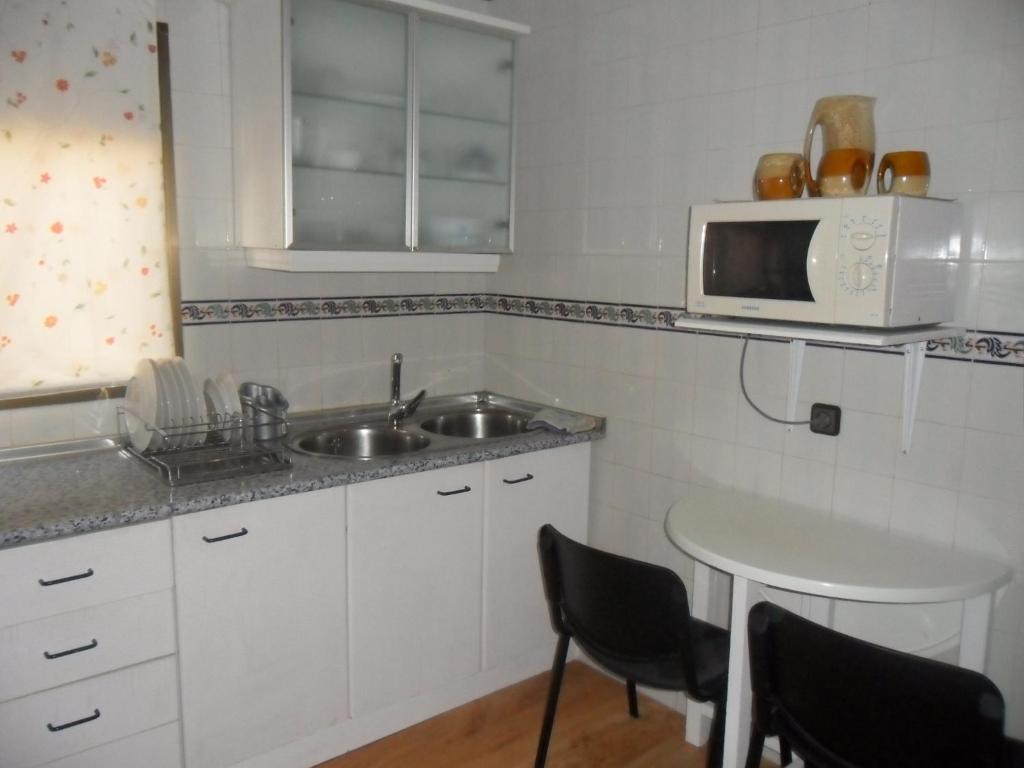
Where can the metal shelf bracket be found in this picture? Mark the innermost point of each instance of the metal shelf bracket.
(913, 368)
(796, 366)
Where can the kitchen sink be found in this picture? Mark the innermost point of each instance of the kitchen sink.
(480, 423)
(360, 442)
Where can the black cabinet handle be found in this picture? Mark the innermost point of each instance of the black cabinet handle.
(54, 728)
(79, 649)
(226, 536)
(528, 476)
(76, 577)
(466, 489)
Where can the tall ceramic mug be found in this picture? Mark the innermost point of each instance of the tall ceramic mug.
(779, 176)
(844, 173)
(846, 122)
(908, 174)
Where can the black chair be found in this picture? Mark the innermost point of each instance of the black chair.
(841, 702)
(634, 620)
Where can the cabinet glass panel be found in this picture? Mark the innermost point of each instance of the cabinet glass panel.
(465, 133)
(348, 125)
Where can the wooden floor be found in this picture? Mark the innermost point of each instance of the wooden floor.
(592, 730)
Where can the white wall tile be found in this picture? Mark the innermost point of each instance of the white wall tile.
(807, 483)
(862, 497)
(936, 458)
(873, 382)
(923, 511)
(868, 441)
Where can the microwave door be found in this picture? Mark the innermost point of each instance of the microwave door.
(775, 269)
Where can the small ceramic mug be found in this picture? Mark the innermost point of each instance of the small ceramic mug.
(779, 176)
(845, 172)
(908, 174)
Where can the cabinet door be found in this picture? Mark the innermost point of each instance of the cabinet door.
(261, 624)
(348, 126)
(414, 589)
(523, 493)
(465, 138)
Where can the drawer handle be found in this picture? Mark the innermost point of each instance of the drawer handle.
(79, 649)
(226, 536)
(518, 479)
(54, 728)
(465, 489)
(76, 577)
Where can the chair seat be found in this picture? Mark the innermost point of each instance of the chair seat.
(710, 648)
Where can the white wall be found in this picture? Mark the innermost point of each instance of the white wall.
(632, 110)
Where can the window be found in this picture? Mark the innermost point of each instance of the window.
(88, 281)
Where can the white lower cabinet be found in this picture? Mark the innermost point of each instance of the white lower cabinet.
(158, 747)
(415, 565)
(523, 493)
(261, 624)
(62, 721)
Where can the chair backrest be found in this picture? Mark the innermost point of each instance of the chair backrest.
(848, 703)
(612, 605)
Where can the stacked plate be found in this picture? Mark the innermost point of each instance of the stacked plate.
(223, 405)
(163, 407)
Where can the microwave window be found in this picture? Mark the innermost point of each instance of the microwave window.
(758, 259)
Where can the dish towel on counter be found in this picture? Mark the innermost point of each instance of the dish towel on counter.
(561, 421)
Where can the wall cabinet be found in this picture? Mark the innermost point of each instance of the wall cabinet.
(415, 591)
(384, 134)
(261, 624)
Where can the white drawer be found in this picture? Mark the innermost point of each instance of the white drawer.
(71, 646)
(46, 726)
(156, 748)
(40, 580)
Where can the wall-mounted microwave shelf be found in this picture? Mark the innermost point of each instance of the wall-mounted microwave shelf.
(911, 341)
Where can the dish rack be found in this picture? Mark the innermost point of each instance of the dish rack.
(228, 448)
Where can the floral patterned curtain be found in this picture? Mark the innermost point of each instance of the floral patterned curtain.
(83, 280)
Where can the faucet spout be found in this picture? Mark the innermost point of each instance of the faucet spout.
(399, 409)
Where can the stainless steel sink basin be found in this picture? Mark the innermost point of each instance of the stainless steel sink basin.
(359, 442)
(479, 423)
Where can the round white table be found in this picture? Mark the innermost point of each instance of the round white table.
(766, 543)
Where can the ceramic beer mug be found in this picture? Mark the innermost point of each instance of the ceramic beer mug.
(779, 176)
(847, 123)
(908, 174)
(843, 173)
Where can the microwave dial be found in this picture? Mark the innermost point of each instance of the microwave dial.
(862, 233)
(859, 277)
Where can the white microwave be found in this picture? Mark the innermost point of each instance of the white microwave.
(886, 261)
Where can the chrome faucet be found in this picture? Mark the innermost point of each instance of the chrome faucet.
(399, 409)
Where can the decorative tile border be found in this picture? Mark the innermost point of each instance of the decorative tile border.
(982, 346)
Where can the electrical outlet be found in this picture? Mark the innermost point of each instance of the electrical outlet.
(825, 419)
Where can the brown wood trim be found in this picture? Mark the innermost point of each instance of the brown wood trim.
(64, 397)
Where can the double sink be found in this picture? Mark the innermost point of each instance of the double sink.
(445, 422)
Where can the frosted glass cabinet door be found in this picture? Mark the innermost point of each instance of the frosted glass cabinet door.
(465, 138)
(349, 125)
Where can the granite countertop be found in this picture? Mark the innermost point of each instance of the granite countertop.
(52, 497)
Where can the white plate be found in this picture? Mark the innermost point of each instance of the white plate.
(141, 406)
(195, 406)
(168, 387)
(152, 408)
(227, 387)
(218, 410)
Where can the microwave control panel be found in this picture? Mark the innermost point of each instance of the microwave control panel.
(862, 245)
(861, 271)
